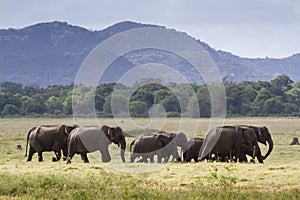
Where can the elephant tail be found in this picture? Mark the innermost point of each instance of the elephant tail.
(131, 144)
(28, 134)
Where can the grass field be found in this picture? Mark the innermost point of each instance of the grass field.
(278, 178)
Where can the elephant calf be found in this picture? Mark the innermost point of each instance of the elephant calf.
(161, 144)
(89, 139)
(192, 150)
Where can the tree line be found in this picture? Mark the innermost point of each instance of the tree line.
(279, 97)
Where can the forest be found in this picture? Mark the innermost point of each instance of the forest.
(279, 97)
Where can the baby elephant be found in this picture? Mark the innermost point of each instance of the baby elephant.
(192, 150)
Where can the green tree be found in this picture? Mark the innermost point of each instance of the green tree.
(138, 109)
(54, 105)
(10, 87)
(159, 95)
(193, 108)
(273, 105)
(9, 110)
(280, 85)
(118, 106)
(107, 105)
(3, 100)
(204, 101)
(262, 96)
(171, 104)
(67, 104)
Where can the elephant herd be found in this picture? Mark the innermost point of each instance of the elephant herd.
(224, 144)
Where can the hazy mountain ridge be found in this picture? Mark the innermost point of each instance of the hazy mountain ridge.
(51, 53)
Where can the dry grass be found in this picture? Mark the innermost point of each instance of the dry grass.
(279, 173)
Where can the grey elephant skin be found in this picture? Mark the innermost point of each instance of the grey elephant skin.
(176, 140)
(229, 142)
(161, 144)
(192, 150)
(263, 136)
(84, 140)
(48, 138)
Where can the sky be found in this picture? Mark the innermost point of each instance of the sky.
(247, 28)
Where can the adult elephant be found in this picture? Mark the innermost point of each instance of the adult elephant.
(48, 138)
(229, 140)
(89, 139)
(192, 150)
(263, 136)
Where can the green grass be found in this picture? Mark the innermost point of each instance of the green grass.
(278, 178)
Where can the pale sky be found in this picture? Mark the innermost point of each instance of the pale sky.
(248, 28)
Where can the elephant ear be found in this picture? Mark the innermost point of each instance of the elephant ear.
(246, 136)
(115, 134)
(61, 129)
(69, 129)
(118, 131)
(265, 129)
(249, 135)
(259, 132)
(105, 129)
(161, 140)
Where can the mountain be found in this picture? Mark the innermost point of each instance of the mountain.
(51, 53)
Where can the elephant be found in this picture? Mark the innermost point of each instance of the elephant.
(263, 136)
(161, 144)
(179, 139)
(147, 146)
(48, 138)
(229, 141)
(88, 139)
(192, 150)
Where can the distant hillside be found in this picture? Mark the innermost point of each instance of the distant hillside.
(51, 53)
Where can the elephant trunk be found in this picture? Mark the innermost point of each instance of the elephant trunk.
(254, 152)
(123, 147)
(270, 142)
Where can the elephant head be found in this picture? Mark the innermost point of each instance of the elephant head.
(264, 137)
(116, 136)
(249, 138)
(162, 140)
(181, 140)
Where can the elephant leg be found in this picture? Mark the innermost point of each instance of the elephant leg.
(84, 157)
(260, 158)
(196, 159)
(58, 156)
(132, 157)
(71, 153)
(175, 155)
(40, 155)
(243, 158)
(69, 158)
(31, 152)
(105, 156)
(159, 158)
(39, 148)
(152, 159)
(167, 158)
(144, 159)
(57, 151)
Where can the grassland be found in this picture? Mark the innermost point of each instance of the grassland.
(278, 178)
